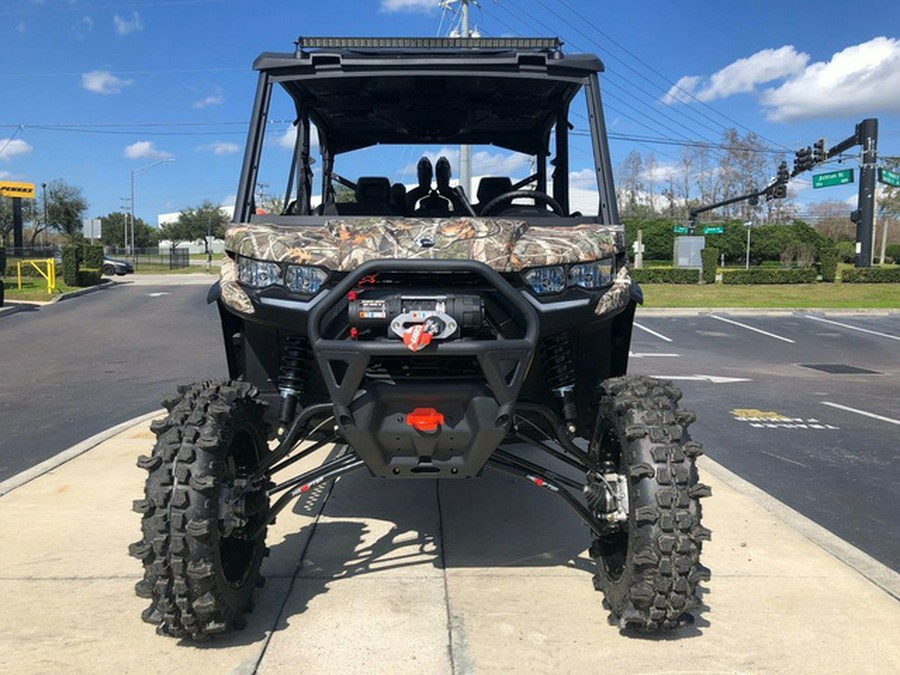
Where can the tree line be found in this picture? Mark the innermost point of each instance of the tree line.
(58, 210)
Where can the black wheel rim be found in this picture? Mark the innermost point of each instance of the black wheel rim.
(236, 552)
(613, 548)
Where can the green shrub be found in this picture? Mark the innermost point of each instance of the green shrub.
(871, 275)
(665, 275)
(828, 260)
(71, 259)
(769, 276)
(891, 251)
(710, 259)
(92, 257)
(846, 251)
(88, 277)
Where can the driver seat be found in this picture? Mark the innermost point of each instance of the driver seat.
(491, 187)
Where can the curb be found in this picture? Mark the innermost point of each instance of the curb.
(750, 311)
(51, 463)
(879, 574)
(103, 286)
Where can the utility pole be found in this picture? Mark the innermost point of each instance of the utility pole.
(465, 151)
(46, 222)
(867, 137)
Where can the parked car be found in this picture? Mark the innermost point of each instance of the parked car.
(117, 267)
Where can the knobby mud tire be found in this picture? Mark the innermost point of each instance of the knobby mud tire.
(650, 571)
(198, 576)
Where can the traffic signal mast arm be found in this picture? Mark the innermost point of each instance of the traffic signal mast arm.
(696, 211)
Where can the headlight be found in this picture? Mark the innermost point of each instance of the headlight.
(545, 280)
(592, 275)
(258, 274)
(304, 279)
(555, 278)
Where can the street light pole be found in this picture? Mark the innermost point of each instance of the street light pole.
(748, 225)
(46, 222)
(137, 172)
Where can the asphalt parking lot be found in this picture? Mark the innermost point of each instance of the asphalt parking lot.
(805, 406)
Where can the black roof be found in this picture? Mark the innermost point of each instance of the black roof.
(362, 92)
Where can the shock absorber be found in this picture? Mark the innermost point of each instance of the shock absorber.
(292, 374)
(557, 353)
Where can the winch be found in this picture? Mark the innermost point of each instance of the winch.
(417, 319)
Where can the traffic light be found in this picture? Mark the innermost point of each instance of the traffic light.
(802, 160)
(779, 191)
(783, 175)
(819, 154)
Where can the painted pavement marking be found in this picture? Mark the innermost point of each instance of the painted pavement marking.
(652, 332)
(755, 330)
(881, 418)
(856, 328)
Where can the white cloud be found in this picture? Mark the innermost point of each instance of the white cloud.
(484, 162)
(212, 99)
(103, 82)
(583, 179)
(740, 77)
(682, 91)
(289, 138)
(11, 148)
(145, 150)
(21, 27)
(424, 6)
(220, 148)
(862, 79)
(4, 175)
(125, 27)
(662, 173)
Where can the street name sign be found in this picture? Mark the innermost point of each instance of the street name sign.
(832, 178)
(681, 229)
(718, 229)
(889, 177)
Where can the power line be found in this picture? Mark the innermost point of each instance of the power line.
(655, 71)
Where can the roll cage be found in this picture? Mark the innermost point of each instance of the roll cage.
(514, 94)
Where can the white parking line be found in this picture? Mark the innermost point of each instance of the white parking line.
(652, 332)
(755, 330)
(846, 325)
(890, 420)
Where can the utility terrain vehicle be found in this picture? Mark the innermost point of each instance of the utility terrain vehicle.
(425, 333)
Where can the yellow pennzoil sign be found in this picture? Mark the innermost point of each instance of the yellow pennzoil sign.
(13, 189)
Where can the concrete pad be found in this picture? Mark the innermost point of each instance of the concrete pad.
(383, 528)
(362, 624)
(94, 626)
(777, 603)
(498, 522)
(461, 576)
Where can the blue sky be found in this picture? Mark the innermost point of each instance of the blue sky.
(93, 89)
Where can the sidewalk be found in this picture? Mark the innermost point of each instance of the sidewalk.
(480, 576)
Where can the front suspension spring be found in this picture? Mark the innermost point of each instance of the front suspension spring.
(556, 351)
(293, 374)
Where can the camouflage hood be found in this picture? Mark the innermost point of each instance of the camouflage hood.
(343, 244)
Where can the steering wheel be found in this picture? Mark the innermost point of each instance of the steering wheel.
(491, 206)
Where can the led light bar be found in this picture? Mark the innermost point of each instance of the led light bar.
(551, 44)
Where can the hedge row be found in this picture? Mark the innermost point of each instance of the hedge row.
(871, 275)
(92, 257)
(665, 275)
(89, 277)
(769, 276)
(709, 258)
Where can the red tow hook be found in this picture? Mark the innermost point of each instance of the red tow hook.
(425, 419)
